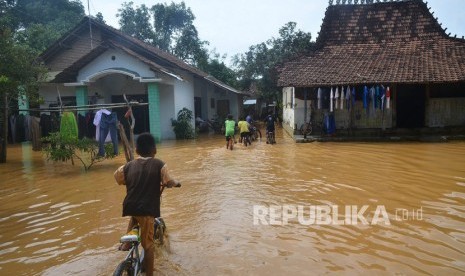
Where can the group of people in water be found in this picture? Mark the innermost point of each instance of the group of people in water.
(246, 128)
(145, 177)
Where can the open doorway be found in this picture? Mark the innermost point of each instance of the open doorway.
(141, 113)
(410, 105)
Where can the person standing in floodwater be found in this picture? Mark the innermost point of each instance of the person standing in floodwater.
(229, 126)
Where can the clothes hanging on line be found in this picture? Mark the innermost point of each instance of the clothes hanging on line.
(365, 97)
(97, 119)
(27, 127)
(388, 97)
(342, 98)
(348, 97)
(331, 97)
(20, 131)
(86, 126)
(353, 96)
(36, 134)
(12, 125)
(108, 126)
(68, 126)
(383, 96)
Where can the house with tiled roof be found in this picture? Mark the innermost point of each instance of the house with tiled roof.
(401, 69)
(96, 64)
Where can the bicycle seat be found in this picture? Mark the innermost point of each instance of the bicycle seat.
(129, 238)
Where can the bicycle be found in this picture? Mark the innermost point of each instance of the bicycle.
(270, 138)
(306, 128)
(246, 140)
(255, 133)
(133, 262)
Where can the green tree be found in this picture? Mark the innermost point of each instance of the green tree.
(38, 24)
(99, 18)
(171, 23)
(217, 68)
(136, 22)
(27, 27)
(168, 27)
(19, 78)
(257, 67)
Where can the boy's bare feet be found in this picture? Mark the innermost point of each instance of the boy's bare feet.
(124, 246)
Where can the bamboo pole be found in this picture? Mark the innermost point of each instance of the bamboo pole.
(124, 140)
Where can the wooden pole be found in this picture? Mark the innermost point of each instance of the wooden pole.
(124, 140)
(5, 129)
(132, 124)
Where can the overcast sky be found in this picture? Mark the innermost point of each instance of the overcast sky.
(231, 26)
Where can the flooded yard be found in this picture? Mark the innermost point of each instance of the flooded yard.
(55, 219)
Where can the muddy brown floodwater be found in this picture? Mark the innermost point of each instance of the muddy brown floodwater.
(56, 219)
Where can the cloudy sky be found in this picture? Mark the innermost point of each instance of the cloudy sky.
(231, 26)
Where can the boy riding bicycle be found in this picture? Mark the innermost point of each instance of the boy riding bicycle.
(143, 178)
(230, 127)
(270, 121)
(244, 129)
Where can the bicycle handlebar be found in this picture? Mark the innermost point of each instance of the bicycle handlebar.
(177, 185)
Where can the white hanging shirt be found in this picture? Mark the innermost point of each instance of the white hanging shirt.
(331, 97)
(97, 118)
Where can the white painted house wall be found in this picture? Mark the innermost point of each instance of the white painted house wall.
(122, 60)
(184, 95)
(167, 111)
(49, 93)
(174, 94)
(288, 108)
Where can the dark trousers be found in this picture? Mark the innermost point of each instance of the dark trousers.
(108, 124)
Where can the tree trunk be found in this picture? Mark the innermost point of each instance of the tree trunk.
(4, 135)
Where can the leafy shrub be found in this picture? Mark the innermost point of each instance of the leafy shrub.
(182, 126)
(64, 149)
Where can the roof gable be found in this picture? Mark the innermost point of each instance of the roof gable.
(378, 23)
(157, 59)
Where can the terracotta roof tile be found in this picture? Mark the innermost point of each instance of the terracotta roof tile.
(391, 42)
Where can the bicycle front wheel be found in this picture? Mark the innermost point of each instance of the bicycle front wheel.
(258, 134)
(124, 268)
(161, 233)
(159, 230)
(306, 130)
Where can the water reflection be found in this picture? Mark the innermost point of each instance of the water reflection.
(57, 220)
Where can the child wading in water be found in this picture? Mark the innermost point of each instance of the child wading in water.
(229, 126)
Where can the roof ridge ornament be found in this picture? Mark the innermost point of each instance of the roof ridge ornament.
(364, 2)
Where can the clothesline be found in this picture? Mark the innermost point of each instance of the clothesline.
(82, 107)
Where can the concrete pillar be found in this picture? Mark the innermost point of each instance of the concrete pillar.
(23, 101)
(81, 98)
(154, 110)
